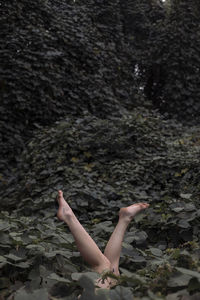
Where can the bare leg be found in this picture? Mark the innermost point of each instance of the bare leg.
(85, 244)
(114, 245)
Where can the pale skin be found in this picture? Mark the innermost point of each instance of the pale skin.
(98, 261)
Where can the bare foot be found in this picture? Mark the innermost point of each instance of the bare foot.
(130, 211)
(64, 210)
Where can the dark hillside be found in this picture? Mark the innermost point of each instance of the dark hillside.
(102, 165)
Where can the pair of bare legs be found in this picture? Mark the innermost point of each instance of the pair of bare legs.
(88, 249)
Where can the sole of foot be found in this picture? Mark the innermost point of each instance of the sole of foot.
(130, 211)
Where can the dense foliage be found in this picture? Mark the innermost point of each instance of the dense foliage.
(176, 88)
(61, 57)
(58, 57)
(102, 165)
(166, 45)
(87, 92)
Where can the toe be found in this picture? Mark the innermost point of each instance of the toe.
(60, 193)
(143, 205)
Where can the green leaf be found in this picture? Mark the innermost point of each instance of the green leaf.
(91, 275)
(194, 285)
(134, 276)
(86, 283)
(183, 224)
(190, 207)
(13, 257)
(188, 272)
(126, 272)
(23, 264)
(4, 225)
(35, 247)
(121, 293)
(54, 276)
(179, 280)
(3, 259)
(177, 209)
(37, 294)
(65, 253)
(156, 251)
(185, 196)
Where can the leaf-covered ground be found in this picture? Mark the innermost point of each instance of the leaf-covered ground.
(102, 165)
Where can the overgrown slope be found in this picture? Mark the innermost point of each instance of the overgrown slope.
(102, 165)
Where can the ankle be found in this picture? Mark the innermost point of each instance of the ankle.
(65, 214)
(124, 219)
(123, 215)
